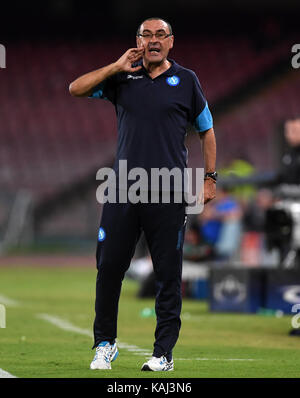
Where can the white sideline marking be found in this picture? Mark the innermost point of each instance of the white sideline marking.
(6, 375)
(8, 301)
(216, 359)
(68, 326)
(63, 324)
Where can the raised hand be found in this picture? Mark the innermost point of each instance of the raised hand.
(209, 190)
(124, 63)
(83, 86)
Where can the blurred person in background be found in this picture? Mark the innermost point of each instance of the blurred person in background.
(255, 213)
(216, 232)
(155, 100)
(283, 218)
(289, 172)
(195, 247)
(254, 249)
(229, 211)
(221, 225)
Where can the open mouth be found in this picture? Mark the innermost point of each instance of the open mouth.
(154, 50)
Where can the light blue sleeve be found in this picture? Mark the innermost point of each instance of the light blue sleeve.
(204, 120)
(98, 91)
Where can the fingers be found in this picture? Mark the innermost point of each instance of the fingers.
(136, 68)
(209, 190)
(208, 197)
(135, 53)
(128, 58)
(136, 58)
(136, 49)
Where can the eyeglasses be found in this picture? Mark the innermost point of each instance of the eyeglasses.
(158, 35)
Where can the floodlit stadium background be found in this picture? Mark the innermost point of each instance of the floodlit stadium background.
(51, 144)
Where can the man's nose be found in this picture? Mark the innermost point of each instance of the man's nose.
(153, 40)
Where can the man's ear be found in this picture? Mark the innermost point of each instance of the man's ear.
(172, 42)
(139, 42)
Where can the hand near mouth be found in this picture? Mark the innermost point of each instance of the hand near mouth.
(124, 63)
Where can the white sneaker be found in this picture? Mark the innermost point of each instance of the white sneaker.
(105, 354)
(158, 364)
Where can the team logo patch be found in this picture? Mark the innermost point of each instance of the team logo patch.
(101, 234)
(173, 80)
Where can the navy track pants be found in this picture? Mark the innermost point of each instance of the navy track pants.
(120, 228)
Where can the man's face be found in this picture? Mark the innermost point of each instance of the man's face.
(292, 132)
(155, 41)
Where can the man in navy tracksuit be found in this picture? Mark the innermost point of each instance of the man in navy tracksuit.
(155, 99)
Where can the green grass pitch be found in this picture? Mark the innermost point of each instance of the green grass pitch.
(210, 345)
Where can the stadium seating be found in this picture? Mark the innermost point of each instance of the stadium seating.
(49, 139)
(250, 130)
(222, 64)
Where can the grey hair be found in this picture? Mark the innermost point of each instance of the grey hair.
(155, 19)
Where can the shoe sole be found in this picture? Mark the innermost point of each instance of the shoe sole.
(113, 359)
(147, 368)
